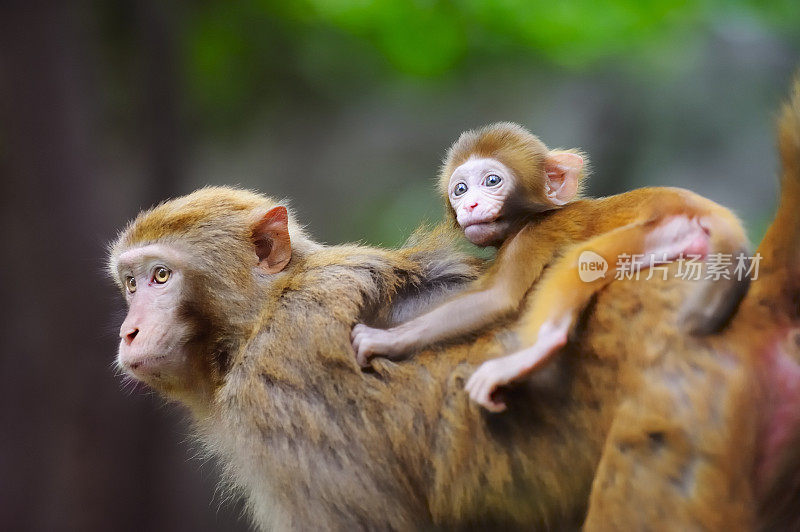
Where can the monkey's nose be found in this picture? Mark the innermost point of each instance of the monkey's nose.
(128, 335)
(471, 207)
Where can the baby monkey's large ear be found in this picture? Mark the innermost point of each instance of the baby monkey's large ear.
(563, 172)
(271, 240)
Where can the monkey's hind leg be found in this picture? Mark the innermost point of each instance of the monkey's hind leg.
(565, 291)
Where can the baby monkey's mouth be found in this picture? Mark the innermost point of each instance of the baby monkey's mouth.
(484, 233)
(483, 220)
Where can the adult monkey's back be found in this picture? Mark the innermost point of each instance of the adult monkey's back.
(237, 314)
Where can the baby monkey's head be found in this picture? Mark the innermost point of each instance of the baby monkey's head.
(495, 175)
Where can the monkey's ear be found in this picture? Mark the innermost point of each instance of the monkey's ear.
(563, 171)
(271, 240)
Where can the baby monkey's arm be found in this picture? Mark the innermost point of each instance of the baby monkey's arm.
(461, 315)
(500, 292)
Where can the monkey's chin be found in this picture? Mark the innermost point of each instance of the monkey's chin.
(145, 368)
(484, 234)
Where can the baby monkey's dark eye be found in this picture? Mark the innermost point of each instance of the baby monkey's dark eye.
(459, 189)
(493, 180)
(130, 284)
(161, 275)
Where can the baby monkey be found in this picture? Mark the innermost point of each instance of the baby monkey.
(506, 189)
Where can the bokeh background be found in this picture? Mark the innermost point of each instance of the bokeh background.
(346, 108)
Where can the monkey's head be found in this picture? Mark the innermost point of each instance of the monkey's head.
(495, 175)
(192, 271)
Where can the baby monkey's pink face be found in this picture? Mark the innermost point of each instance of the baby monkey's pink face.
(478, 191)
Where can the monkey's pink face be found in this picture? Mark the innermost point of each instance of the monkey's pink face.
(478, 190)
(153, 338)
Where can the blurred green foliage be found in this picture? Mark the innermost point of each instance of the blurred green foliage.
(327, 45)
(243, 89)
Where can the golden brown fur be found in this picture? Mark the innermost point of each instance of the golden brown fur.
(655, 429)
(718, 403)
(316, 443)
(308, 434)
(538, 238)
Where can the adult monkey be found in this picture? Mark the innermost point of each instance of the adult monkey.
(234, 312)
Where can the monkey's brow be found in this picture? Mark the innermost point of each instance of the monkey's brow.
(486, 167)
(147, 254)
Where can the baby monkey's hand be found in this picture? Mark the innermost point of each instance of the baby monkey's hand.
(369, 342)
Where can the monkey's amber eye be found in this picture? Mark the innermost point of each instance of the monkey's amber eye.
(459, 189)
(130, 284)
(161, 275)
(493, 180)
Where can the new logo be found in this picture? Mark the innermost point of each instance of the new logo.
(591, 266)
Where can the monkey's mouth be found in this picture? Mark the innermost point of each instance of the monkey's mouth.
(481, 221)
(143, 367)
(482, 233)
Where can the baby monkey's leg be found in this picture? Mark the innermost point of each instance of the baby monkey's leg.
(565, 291)
(715, 301)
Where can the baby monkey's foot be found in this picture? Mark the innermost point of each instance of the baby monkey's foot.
(675, 236)
(493, 374)
(369, 342)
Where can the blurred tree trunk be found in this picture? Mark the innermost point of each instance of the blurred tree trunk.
(75, 452)
(157, 34)
(60, 448)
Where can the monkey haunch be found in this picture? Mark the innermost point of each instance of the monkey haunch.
(236, 313)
